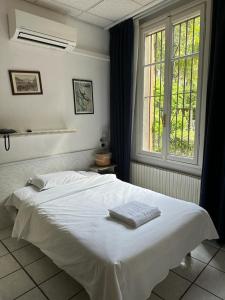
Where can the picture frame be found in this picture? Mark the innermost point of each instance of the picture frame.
(83, 96)
(25, 82)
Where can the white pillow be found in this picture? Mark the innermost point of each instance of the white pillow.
(21, 195)
(47, 181)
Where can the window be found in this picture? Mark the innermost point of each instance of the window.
(154, 70)
(170, 90)
(184, 91)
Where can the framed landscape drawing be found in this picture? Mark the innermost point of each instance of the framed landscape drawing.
(83, 96)
(25, 82)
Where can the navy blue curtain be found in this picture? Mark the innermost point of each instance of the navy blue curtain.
(213, 174)
(121, 65)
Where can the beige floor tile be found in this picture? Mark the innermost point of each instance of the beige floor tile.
(213, 243)
(3, 250)
(218, 261)
(28, 254)
(212, 280)
(34, 294)
(172, 288)
(204, 252)
(81, 296)
(5, 233)
(190, 268)
(14, 244)
(8, 265)
(42, 269)
(15, 284)
(60, 287)
(196, 293)
(154, 297)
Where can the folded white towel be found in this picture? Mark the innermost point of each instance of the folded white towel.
(134, 213)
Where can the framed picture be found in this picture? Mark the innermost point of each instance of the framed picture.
(83, 96)
(25, 82)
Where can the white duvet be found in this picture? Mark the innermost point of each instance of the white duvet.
(71, 225)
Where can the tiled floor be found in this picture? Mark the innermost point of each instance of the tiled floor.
(27, 274)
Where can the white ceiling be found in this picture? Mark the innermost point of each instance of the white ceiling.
(103, 13)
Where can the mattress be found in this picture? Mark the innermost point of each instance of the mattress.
(71, 225)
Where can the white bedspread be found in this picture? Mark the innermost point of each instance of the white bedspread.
(70, 224)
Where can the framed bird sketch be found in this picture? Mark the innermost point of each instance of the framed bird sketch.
(83, 96)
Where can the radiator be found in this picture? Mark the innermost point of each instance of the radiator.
(166, 182)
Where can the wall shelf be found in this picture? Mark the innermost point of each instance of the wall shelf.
(42, 132)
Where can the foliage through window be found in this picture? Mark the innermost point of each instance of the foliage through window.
(154, 90)
(185, 61)
(171, 82)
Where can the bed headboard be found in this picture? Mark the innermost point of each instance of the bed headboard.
(15, 175)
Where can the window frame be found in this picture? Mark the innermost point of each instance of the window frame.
(165, 159)
(156, 26)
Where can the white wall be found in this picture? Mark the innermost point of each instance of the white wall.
(55, 108)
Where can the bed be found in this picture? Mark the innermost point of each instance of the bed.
(71, 224)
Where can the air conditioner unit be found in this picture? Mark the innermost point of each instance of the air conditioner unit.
(29, 28)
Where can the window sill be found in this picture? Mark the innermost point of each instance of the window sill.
(170, 165)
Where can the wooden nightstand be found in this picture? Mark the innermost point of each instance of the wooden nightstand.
(111, 169)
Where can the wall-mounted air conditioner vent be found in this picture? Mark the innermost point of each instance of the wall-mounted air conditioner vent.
(25, 27)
